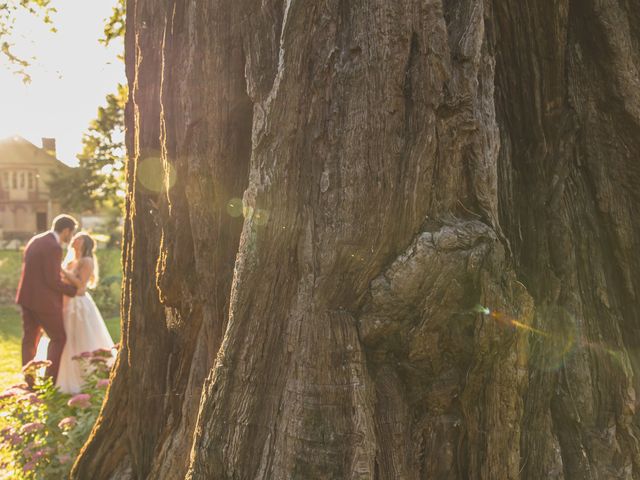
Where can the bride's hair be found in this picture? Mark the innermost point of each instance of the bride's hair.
(88, 250)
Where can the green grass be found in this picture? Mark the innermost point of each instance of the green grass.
(10, 319)
(10, 340)
(10, 265)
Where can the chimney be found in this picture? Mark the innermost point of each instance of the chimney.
(49, 146)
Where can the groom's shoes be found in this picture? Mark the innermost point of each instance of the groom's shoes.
(30, 380)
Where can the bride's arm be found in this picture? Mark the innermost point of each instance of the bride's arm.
(85, 270)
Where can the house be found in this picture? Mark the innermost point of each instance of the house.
(26, 206)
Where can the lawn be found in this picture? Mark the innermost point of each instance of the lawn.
(10, 334)
(106, 297)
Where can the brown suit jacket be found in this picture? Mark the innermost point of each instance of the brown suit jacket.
(41, 287)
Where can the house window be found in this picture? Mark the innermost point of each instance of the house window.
(5, 177)
(21, 180)
(14, 180)
(30, 181)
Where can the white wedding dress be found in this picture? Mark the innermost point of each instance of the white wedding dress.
(86, 332)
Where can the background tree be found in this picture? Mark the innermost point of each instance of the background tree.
(99, 177)
(8, 11)
(435, 275)
(115, 24)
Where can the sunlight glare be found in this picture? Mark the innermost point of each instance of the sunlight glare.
(71, 75)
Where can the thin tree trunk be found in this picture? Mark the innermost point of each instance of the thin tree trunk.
(432, 271)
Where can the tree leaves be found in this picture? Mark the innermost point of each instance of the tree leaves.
(99, 178)
(8, 11)
(114, 28)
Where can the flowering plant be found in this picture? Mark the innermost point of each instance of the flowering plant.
(42, 429)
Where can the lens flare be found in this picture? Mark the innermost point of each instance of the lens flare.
(551, 347)
(507, 320)
(234, 207)
(481, 309)
(529, 328)
(155, 175)
(261, 216)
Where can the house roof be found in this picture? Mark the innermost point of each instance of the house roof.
(18, 151)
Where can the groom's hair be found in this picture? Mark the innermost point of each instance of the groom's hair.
(62, 222)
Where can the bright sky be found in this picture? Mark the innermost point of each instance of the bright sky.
(72, 74)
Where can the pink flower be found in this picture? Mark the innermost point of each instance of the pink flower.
(32, 398)
(34, 452)
(28, 450)
(81, 400)
(29, 466)
(43, 452)
(35, 365)
(82, 356)
(32, 427)
(7, 432)
(8, 394)
(15, 439)
(68, 422)
(99, 359)
(102, 383)
(103, 352)
(12, 392)
(64, 458)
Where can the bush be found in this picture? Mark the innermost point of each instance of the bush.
(107, 296)
(107, 292)
(44, 429)
(10, 267)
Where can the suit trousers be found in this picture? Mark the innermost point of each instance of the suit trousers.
(32, 325)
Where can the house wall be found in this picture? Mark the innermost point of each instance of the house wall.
(25, 199)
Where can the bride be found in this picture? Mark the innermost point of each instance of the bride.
(83, 323)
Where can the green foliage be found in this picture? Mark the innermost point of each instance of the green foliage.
(114, 28)
(99, 178)
(10, 266)
(44, 430)
(69, 188)
(107, 292)
(8, 10)
(10, 346)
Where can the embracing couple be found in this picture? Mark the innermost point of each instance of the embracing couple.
(54, 298)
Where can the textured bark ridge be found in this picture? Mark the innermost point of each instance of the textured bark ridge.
(379, 240)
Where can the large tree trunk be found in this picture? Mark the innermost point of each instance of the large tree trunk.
(432, 272)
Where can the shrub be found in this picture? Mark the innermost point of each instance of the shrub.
(44, 429)
(107, 295)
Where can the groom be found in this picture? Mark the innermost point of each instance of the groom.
(40, 293)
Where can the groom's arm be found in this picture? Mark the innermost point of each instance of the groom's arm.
(51, 263)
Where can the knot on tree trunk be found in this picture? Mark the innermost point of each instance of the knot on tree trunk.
(444, 370)
(427, 286)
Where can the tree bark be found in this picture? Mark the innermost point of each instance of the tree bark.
(378, 240)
